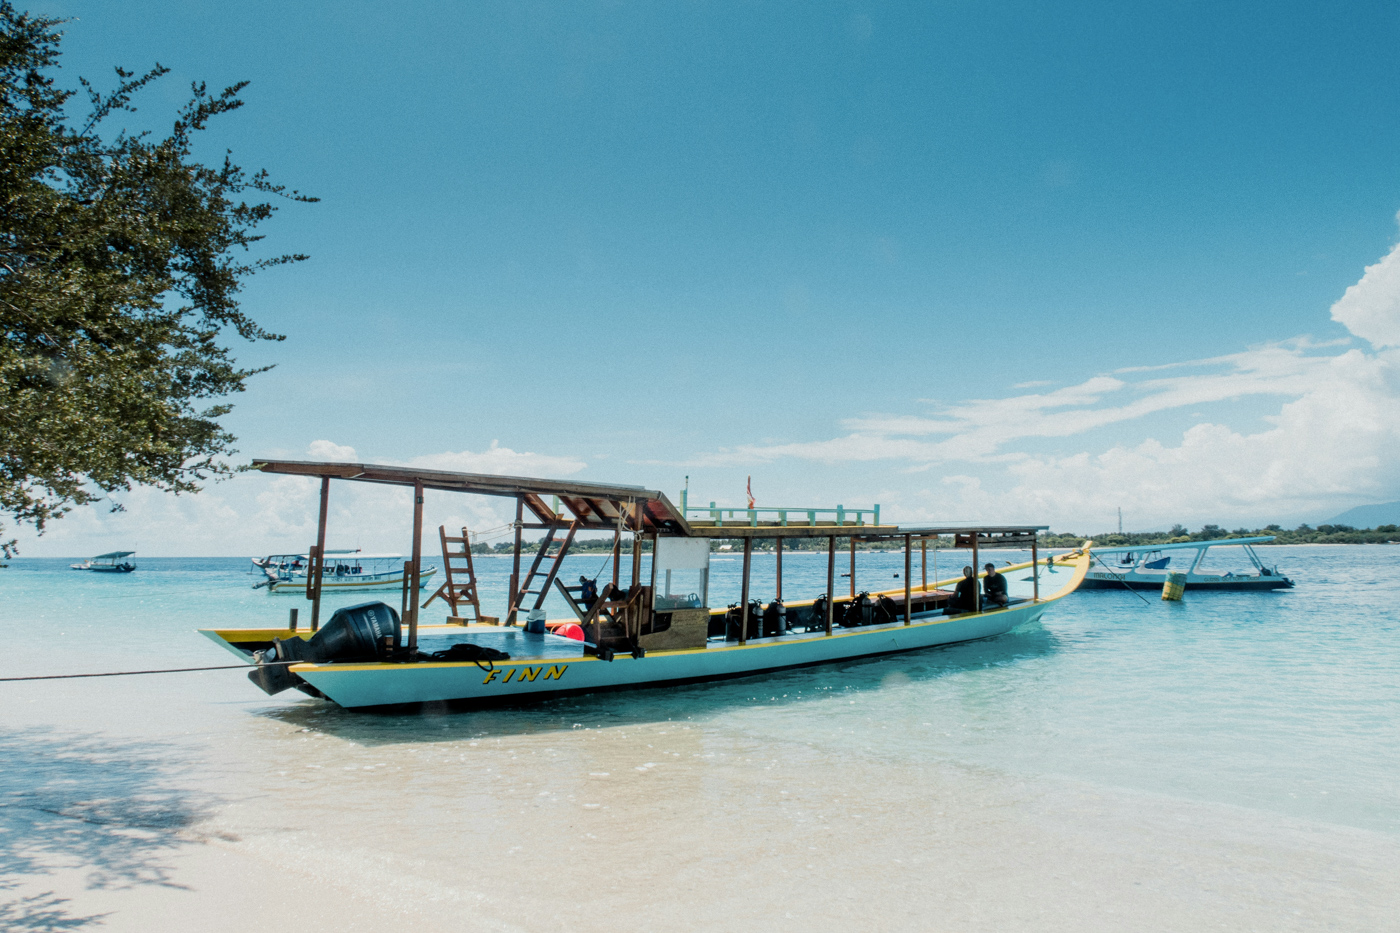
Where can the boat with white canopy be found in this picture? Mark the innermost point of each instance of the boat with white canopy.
(657, 628)
(1147, 567)
(111, 562)
(344, 571)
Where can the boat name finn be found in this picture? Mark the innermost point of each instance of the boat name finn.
(555, 671)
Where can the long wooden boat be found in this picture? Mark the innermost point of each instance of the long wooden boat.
(1147, 567)
(658, 630)
(345, 572)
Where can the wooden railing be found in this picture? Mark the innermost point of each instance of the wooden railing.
(782, 516)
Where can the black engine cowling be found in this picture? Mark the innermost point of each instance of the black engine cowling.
(367, 632)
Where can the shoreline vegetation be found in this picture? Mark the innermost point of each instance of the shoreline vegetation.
(1303, 534)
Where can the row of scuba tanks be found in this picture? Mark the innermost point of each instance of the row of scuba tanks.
(776, 619)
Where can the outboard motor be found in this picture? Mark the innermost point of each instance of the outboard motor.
(367, 632)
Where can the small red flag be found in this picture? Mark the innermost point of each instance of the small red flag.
(749, 490)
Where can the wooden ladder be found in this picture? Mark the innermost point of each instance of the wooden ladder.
(460, 583)
(556, 561)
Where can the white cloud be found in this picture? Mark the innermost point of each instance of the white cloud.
(502, 461)
(980, 430)
(1330, 444)
(1370, 309)
(331, 452)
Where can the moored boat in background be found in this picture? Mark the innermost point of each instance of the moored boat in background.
(345, 571)
(1147, 567)
(111, 562)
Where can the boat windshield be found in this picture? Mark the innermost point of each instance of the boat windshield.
(681, 573)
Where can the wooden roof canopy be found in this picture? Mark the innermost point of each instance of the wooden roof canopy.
(598, 506)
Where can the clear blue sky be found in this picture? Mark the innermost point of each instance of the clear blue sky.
(630, 233)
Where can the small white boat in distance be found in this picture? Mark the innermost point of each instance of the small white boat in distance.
(345, 571)
(1146, 567)
(112, 562)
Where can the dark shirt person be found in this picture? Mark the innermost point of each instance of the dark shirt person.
(965, 596)
(994, 587)
(587, 592)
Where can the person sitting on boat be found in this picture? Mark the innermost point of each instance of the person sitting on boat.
(965, 596)
(994, 587)
(587, 592)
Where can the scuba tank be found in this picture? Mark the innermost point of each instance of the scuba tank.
(886, 610)
(733, 618)
(856, 612)
(775, 619)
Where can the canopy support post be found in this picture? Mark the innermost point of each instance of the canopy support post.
(616, 551)
(515, 567)
(976, 587)
(923, 563)
(636, 544)
(830, 581)
(318, 559)
(853, 566)
(780, 569)
(908, 583)
(1035, 572)
(417, 566)
(639, 605)
(744, 597)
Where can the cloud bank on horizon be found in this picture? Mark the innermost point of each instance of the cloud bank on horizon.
(1330, 444)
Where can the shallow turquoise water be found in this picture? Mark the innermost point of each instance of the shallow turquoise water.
(1285, 705)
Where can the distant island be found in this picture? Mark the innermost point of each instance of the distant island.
(1303, 534)
(1370, 516)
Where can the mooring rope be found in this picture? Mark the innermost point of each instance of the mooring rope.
(1121, 580)
(168, 670)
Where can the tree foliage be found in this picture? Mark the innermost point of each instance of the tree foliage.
(120, 261)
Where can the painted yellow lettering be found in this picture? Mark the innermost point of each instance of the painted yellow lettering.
(490, 677)
(509, 675)
(529, 673)
(556, 671)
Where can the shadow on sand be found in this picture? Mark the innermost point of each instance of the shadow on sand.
(88, 803)
(445, 722)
